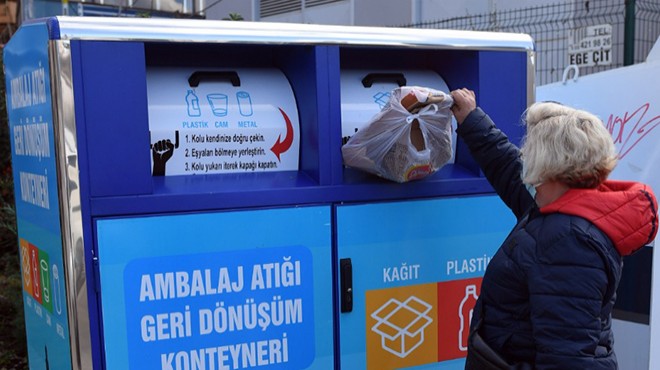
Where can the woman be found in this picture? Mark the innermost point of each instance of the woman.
(547, 294)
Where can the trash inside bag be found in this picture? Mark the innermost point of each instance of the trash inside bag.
(409, 139)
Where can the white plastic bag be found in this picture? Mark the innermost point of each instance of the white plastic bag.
(402, 146)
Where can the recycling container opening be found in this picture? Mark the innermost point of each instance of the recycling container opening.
(490, 73)
(224, 119)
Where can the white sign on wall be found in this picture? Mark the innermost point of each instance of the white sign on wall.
(590, 46)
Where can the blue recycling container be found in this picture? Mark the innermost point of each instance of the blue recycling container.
(182, 202)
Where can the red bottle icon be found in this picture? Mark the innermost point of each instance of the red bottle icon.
(465, 310)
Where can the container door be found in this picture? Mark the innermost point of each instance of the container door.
(239, 290)
(409, 275)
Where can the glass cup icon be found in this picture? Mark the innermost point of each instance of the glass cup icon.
(218, 104)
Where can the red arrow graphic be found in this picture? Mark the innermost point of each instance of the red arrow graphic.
(282, 146)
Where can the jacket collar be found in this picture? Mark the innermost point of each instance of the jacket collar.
(627, 212)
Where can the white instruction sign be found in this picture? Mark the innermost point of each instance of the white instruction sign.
(221, 121)
(590, 46)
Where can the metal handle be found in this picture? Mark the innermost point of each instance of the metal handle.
(230, 76)
(346, 284)
(576, 73)
(370, 78)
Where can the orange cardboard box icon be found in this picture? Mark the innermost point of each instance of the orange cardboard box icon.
(25, 265)
(401, 325)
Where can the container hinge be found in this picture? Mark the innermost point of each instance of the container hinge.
(97, 274)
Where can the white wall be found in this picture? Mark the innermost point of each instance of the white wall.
(222, 9)
(383, 12)
(371, 12)
(432, 10)
(338, 13)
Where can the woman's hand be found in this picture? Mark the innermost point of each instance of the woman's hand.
(464, 103)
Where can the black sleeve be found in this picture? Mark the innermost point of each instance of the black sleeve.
(498, 158)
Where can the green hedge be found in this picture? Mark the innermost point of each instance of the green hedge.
(13, 345)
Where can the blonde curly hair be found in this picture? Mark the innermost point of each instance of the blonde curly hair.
(567, 145)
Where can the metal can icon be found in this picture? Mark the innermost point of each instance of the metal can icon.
(244, 103)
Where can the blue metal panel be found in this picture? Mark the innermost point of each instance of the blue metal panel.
(35, 172)
(334, 156)
(253, 262)
(53, 28)
(114, 95)
(277, 189)
(307, 75)
(425, 253)
(501, 83)
(461, 69)
(84, 180)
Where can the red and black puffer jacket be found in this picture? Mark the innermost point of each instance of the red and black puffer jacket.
(548, 292)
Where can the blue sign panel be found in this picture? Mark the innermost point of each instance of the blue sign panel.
(416, 275)
(239, 290)
(29, 107)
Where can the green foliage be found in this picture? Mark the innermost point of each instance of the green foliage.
(233, 17)
(13, 344)
(13, 351)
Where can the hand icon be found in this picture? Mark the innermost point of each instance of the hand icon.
(161, 152)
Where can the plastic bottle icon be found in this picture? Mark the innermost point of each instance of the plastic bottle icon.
(465, 310)
(193, 104)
